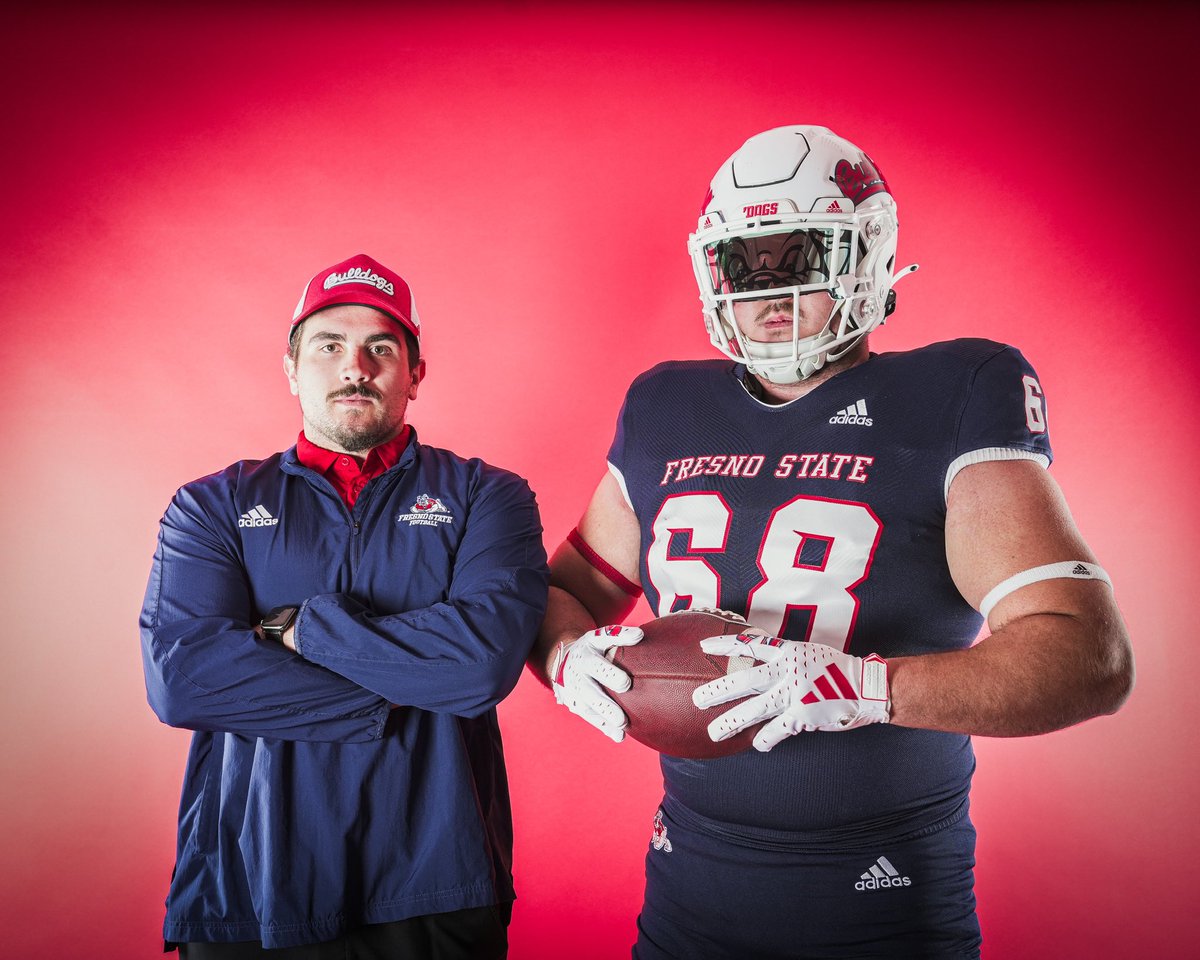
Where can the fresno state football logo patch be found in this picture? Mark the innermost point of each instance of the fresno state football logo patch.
(658, 836)
(426, 511)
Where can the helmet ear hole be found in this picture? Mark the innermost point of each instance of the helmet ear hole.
(864, 311)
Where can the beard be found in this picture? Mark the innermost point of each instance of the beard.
(356, 431)
(361, 437)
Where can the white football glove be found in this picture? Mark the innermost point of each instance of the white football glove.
(803, 686)
(579, 671)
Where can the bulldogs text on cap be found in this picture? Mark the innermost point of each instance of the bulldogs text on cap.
(364, 281)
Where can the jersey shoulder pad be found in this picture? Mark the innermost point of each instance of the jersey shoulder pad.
(672, 373)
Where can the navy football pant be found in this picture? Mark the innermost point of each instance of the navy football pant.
(710, 898)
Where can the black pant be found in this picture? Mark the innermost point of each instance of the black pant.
(480, 933)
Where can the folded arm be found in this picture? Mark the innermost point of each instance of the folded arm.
(205, 666)
(460, 656)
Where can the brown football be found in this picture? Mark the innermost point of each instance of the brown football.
(666, 666)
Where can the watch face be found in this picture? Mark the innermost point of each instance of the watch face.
(279, 619)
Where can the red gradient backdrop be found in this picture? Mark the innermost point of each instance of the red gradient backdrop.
(172, 178)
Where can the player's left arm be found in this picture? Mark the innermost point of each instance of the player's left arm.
(1059, 652)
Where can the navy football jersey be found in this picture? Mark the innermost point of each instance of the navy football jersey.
(823, 519)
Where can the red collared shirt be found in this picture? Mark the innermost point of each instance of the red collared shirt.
(348, 473)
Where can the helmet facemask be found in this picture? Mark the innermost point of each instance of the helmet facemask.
(790, 256)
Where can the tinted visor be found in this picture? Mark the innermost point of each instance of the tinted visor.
(798, 258)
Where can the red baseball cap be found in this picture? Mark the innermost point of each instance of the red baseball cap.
(362, 281)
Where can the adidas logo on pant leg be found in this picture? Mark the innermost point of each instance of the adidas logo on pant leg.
(880, 876)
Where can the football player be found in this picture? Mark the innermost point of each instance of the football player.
(866, 513)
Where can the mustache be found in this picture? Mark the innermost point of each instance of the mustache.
(355, 390)
(773, 307)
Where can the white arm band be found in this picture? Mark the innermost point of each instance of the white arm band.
(1068, 569)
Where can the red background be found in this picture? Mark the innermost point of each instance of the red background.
(172, 178)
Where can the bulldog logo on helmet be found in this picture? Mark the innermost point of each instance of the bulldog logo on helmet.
(859, 180)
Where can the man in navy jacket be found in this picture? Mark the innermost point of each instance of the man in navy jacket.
(337, 624)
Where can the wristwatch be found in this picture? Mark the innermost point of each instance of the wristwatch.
(275, 623)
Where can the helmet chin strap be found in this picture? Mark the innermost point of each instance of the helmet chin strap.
(762, 364)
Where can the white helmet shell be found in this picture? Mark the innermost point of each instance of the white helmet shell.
(796, 210)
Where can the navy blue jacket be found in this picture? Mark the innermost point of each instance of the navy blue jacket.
(360, 780)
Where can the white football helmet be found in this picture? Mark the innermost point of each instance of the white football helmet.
(796, 210)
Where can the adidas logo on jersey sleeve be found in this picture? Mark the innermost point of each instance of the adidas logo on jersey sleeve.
(856, 414)
(258, 516)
